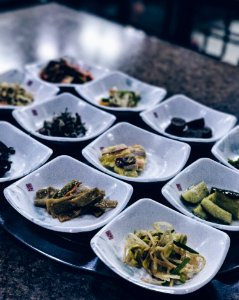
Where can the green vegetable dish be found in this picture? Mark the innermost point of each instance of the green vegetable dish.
(121, 98)
(216, 205)
(164, 254)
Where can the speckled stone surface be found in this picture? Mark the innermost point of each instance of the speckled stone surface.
(52, 30)
(47, 31)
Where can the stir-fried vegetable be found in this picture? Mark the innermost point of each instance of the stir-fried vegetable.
(61, 71)
(120, 98)
(65, 124)
(5, 163)
(216, 205)
(14, 94)
(73, 200)
(163, 253)
(124, 160)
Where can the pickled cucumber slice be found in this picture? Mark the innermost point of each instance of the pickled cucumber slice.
(216, 211)
(200, 212)
(195, 193)
(230, 205)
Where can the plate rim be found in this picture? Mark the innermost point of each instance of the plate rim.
(55, 89)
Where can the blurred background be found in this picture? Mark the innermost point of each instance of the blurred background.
(210, 27)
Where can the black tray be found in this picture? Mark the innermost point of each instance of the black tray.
(74, 249)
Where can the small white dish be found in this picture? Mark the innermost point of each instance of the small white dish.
(228, 148)
(108, 244)
(57, 173)
(95, 120)
(213, 174)
(96, 71)
(180, 106)
(29, 153)
(165, 157)
(94, 91)
(41, 91)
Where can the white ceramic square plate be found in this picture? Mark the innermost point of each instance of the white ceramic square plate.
(29, 153)
(180, 106)
(227, 148)
(108, 244)
(94, 91)
(96, 71)
(95, 120)
(41, 91)
(57, 173)
(165, 157)
(213, 174)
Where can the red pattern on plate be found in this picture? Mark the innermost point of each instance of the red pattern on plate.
(156, 115)
(178, 185)
(34, 112)
(29, 187)
(109, 235)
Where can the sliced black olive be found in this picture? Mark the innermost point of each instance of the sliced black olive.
(121, 162)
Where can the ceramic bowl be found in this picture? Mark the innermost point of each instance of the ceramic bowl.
(41, 91)
(29, 153)
(96, 71)
(227, 148)
(213, 174)
(95, 120)
(162, 163)
(108, 244)
(180, 106)
(94, 91)
(57, 173)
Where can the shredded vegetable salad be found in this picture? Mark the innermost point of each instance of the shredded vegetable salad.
(163, 253)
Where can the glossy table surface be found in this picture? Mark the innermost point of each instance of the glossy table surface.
(48, 31)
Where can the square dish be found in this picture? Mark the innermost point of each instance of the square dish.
(161, 164)
(95, 71)
(180, 106)
(95, 120)
(29, 153)
(109, 242)
(39, 90)
(214, 175)
(94, 91)
(57, 173)
(228, 148)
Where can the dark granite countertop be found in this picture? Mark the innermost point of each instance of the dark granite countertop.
(47, 31)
